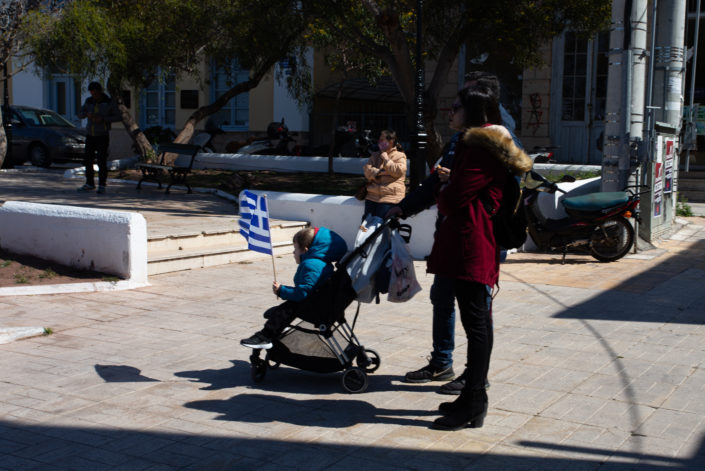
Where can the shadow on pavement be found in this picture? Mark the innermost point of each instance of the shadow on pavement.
(329, 413)
(291, 380)
(121, 374)
(72, 448)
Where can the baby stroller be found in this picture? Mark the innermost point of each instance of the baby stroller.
(321, 340)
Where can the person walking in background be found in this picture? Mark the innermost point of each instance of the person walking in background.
(100, 110)
(385, 172)
(464, 247)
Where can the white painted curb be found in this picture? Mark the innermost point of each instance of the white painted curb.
(9, 334)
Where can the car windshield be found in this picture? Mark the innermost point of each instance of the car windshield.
(44, 118)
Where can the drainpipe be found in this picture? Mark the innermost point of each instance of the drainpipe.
(693, 69)
(670, 61)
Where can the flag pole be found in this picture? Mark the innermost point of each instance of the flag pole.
(274, 268)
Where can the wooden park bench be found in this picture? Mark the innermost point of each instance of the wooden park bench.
(178, 171)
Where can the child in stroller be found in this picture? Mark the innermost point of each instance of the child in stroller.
(315, 250)
(322, 341)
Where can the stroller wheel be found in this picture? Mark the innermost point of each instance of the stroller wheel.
(355, 380)
(368, 360)
(259, 369)
(272, 365)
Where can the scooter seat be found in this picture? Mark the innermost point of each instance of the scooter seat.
(596, 201)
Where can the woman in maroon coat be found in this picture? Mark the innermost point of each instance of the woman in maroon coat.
(464, 246)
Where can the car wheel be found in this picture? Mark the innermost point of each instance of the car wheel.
(39, 156)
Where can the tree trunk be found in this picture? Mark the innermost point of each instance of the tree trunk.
(133, 130)
(3, 143)
(203, 112)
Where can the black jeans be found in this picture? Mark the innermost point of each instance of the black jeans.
(96, 149)
(475, 305)
(278, 317)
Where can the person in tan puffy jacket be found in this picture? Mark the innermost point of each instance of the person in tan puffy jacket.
(385, 172)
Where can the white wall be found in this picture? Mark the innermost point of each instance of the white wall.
(343, 214)
(112, 242)
(28, 89)
(285, 106)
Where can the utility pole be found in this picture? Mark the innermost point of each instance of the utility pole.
(669, 62)
(418, 163)
(665, 107)
(625, 92)
(691, 94)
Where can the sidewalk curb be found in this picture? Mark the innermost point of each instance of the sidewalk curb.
(10, 334)
(72, 288)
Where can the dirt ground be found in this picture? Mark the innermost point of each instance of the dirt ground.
(22, 270)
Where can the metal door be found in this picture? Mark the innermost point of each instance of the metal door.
(578, 97)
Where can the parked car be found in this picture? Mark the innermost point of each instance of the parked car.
(44, 137)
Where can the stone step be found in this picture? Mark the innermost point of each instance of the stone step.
(693, 174)
(213, 247)
(216, 236)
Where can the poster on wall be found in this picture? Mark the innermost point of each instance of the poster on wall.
(658, 188)
(668, 165)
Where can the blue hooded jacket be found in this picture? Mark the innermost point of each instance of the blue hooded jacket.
(316, 265)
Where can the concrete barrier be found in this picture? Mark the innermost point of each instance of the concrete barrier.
(343, 214)
(111, 242)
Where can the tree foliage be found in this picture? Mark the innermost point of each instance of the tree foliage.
(129, 41)
(385, 30)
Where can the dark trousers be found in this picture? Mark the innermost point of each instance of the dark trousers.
(96, 149)
(443, 301)
(376, 209)
(278, 317)
(475, 305)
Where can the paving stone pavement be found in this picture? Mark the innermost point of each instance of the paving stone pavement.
(595, 366)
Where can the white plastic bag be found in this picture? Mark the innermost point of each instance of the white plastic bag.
(403, 284)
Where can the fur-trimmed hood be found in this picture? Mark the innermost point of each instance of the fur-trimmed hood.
(499, 143)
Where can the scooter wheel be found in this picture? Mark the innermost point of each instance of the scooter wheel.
(611, 240)
(355, 380)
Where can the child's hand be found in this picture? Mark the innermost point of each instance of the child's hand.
(275, 288)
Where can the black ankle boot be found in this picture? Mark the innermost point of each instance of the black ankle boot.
(450, 407)
(469, 410)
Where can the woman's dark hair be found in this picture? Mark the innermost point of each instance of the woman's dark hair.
(480, 106)
(391, 136)
(95, 86)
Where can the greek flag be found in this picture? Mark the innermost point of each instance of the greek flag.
(254, 222)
